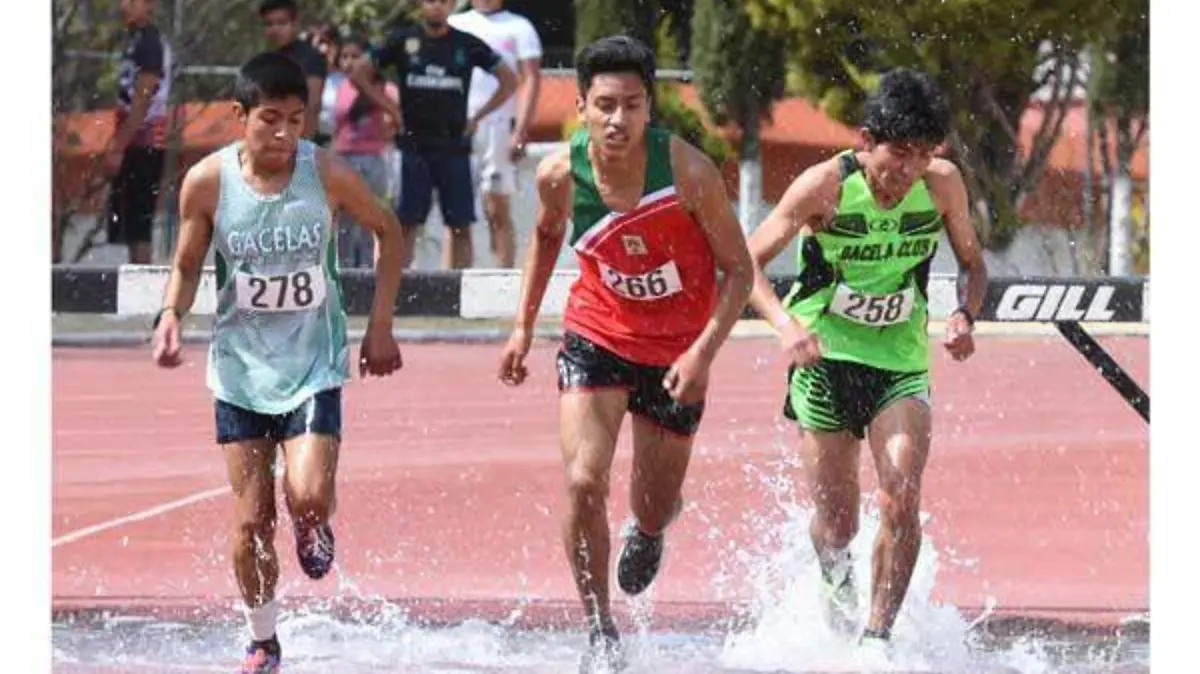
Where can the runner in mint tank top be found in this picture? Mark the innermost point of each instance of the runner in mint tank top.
(855, 323)
(279, 356)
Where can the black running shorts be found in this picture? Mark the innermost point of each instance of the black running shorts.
(583, 364)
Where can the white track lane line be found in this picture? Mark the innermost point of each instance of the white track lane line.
(139, 516)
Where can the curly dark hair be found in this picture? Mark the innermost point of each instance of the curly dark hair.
(908, 107)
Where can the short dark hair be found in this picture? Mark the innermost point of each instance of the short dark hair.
(615, 54)
(267, 6)
(269, 76)
(908, 107)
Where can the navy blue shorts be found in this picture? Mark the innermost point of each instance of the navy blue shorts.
(319, 415)
(421, 172)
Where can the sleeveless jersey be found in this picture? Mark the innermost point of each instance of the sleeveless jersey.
(863, 279)
(279, 334)
(647, 281)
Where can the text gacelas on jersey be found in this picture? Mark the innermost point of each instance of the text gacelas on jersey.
(275, 240)
(878, 252)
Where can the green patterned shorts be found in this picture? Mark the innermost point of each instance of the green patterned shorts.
(836, 395)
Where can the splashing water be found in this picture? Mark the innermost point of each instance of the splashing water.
(787, 629)
(783, 628)
(780, 629)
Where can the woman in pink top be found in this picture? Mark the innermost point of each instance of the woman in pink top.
(361, 136)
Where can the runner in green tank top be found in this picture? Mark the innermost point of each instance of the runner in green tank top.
(278, 356)
(855, 323)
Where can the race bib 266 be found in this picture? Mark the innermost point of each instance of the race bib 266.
(873, 310)
(296, 291)
(653, 285)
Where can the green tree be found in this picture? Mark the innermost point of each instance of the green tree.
(640, 18)
(1118, 119)
(373, 17)
(740, 74)
(990, 56)
(597, 18)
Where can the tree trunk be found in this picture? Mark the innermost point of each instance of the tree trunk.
(987, 146)
(1088, 245)
(1079, 236)
(1120, 238)
(750, 173)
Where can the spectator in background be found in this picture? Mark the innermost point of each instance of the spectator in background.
(433, 63)
(327, 39)
(281, 23)
(500, 140)
(136, 155)
(362, 134)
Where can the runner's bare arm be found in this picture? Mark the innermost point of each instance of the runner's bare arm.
(950, 194)
(702, 189)
(554, 203)
(197, 203)
(349, 192)
(805, 206)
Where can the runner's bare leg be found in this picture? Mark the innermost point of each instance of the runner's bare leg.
(589, 426)
(900, 439)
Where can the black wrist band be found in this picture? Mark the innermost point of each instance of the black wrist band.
(159, 315)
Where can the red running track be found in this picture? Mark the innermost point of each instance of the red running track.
(450, 483)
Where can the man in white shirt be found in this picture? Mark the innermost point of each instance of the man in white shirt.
(500, 138)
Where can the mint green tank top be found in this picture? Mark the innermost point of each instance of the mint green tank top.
(279, 334)
(862, 288)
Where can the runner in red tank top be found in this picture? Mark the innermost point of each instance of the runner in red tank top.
(651, 225)
(647, 283)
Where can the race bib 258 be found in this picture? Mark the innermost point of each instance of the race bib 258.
(653, 285)
(296, 291)
(873, 310)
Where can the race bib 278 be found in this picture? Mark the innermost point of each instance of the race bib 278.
(653, 285)
(297, 291)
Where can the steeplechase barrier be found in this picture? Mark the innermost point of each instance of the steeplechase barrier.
(1067, 303)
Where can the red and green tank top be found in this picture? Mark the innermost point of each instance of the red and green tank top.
(647, 277)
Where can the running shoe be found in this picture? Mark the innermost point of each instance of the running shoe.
(262, 657)
(605, 654)
(875, 649)
(840, 597)
(641, 555)
(315, 549)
